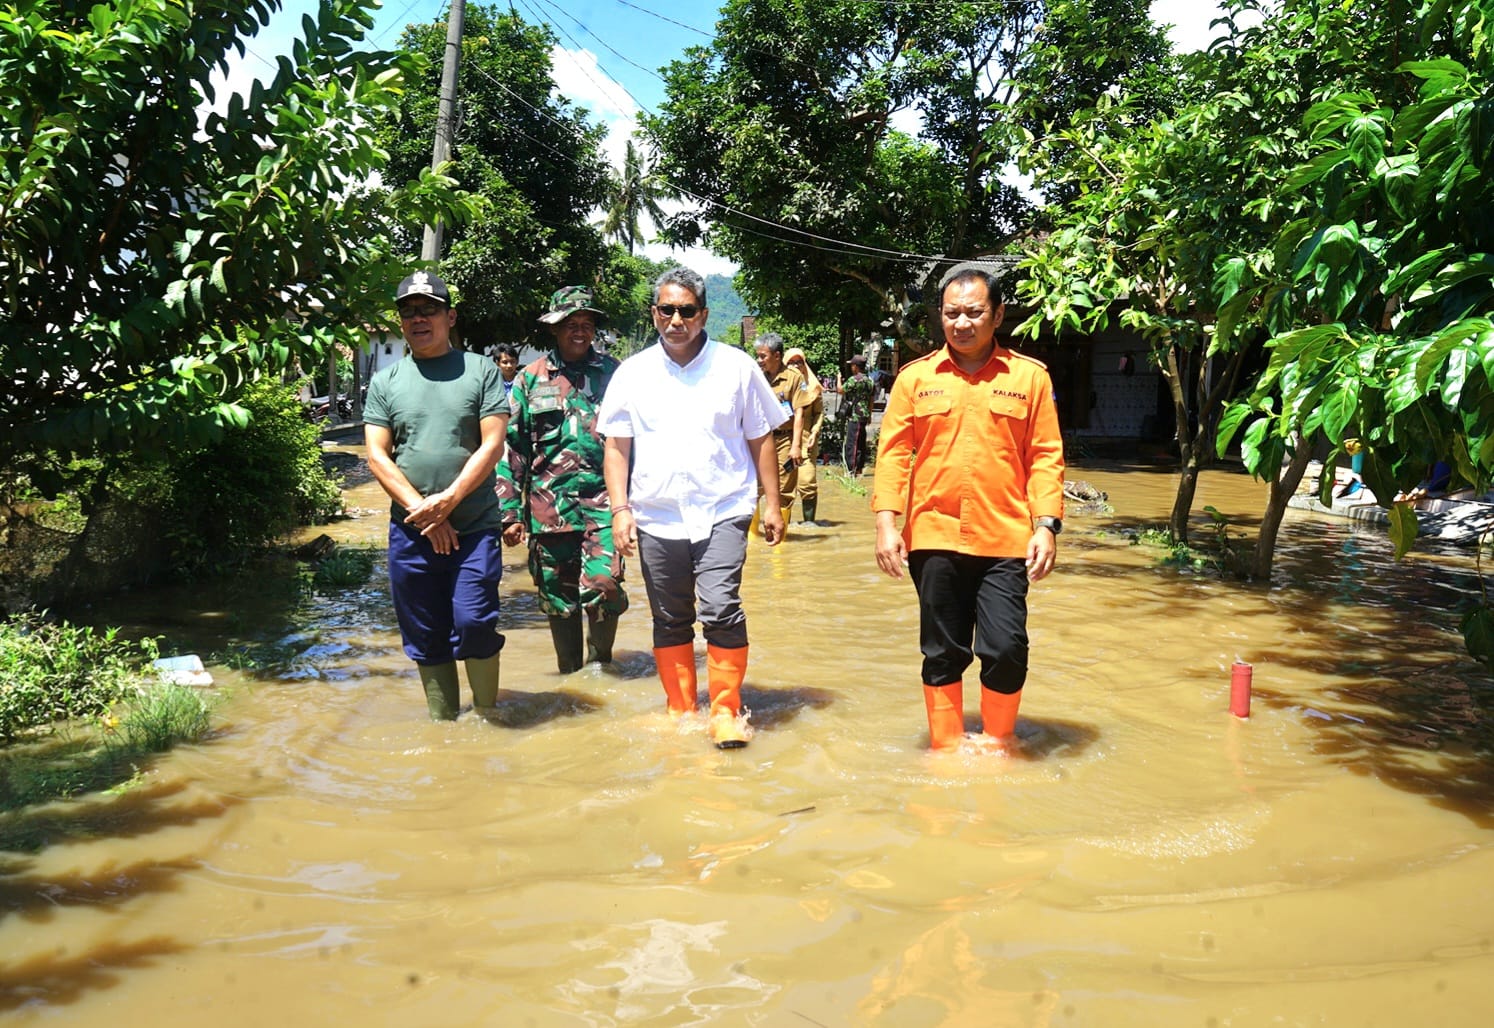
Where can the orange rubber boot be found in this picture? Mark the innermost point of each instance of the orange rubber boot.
(946, 707)
(725, 670)
(998, 713)
(677, 672)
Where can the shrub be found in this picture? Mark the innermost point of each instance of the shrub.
(54, 671)
(221, 503)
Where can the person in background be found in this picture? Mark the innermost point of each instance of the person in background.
(788, 439)
(856, 406)
(808, 488)
(688, 425)
(508, 365)
(552, 489)
(971, 456)
(434, 423)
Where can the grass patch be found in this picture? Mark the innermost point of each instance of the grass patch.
(1176, 554)
(61, 766)
(52, 671)
(845, 481)
(81, 711)
(106, 753)
(344, 569)
(166, 715)
(1222, 555)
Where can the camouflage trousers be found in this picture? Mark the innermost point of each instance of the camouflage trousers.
(578, 569)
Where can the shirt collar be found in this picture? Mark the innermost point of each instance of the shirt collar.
(695, 361)
(554, 363)
(999, 355)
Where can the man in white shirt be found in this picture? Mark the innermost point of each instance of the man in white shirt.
(689, 426)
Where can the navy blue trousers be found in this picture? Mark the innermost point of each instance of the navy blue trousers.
(446, 603)
(963, 600)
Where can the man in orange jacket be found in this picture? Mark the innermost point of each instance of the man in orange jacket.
(971, 456)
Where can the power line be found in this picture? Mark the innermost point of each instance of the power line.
(841, 246)
(661, 17)
(543, 113)
(860, 249)
(541, 19)
(621, 56)
(397, 19)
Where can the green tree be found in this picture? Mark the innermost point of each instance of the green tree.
(633, 194)
(150, 257)
(1169, 220)
(1133, 246)
(533, 156)
(1084, 51)
(786, 119)
(820, 343)
(1394, 258)
(624, 289)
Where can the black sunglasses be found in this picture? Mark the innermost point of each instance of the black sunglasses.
(686, 311)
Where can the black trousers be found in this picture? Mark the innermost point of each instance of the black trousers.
(965, 600)
(853, 451)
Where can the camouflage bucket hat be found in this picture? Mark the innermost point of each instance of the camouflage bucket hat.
(568, 301)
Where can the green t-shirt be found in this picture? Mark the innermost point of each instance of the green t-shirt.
(434, 409)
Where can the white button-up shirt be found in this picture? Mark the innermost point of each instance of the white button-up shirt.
(690, 425)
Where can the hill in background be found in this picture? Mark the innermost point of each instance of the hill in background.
(727, 308)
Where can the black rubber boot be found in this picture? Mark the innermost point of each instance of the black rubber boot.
(811, 509)
(599, 639)
(566, 634)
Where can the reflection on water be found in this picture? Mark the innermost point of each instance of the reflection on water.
(1145, 860)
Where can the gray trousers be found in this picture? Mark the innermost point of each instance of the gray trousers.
(681, 576)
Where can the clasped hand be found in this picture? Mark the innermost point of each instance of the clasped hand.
(430, 516)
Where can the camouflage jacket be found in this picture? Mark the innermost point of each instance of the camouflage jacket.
(856, 398)
(553, 463)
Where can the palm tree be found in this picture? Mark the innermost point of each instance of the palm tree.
(634, 194)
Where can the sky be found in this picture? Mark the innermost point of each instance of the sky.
(607, 57)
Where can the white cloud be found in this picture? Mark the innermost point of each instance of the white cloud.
(579, 78)
(583, 81)
(1189, 20)
(694, 258)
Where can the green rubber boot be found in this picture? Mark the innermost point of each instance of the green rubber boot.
(600, 638)
(443, 692)
(566, 634)
(482, 679)
(811, 509)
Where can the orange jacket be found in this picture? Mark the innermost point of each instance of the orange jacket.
(970, 460)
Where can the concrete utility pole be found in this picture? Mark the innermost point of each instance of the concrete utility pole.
(430, 250)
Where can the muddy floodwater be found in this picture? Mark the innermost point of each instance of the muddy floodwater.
(331, 857)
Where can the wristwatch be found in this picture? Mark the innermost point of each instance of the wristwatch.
(1054, 525)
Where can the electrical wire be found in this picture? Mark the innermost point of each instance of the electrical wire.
(844, 247)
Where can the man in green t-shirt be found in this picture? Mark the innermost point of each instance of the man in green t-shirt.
(434, 426)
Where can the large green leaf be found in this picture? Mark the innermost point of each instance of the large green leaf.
(1402, 527)
(1229, 423)
(1339, 409)
(1366, 137)
(1478, 634)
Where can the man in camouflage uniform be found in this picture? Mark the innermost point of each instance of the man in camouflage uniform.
(554, 476)
(855, 410)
